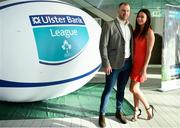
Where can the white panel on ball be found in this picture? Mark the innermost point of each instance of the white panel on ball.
(48, 49)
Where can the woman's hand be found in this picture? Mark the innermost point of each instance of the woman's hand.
(144, 74)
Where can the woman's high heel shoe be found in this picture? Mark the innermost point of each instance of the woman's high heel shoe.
(152, 114)
(137, 113)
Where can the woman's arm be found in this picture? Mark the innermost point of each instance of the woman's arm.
(150, 43)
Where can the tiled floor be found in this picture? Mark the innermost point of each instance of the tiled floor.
(167, 115)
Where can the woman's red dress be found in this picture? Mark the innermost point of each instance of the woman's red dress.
(140, 45)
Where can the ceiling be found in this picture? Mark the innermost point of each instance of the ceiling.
(155, 6)
(110, 6)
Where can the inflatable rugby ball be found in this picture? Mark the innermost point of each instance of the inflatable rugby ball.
(47, 49)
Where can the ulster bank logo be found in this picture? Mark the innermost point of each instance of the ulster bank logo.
(59, 38)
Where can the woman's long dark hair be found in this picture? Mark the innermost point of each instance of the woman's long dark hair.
(147, 25)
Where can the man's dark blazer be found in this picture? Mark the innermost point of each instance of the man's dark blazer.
(112, 44)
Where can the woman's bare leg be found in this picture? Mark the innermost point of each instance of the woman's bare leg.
(138, 95)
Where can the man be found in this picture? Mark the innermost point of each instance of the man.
(116, 52)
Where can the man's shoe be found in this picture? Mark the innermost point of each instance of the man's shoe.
(121, 117)
(102, 122)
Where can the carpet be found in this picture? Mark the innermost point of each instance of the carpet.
(81, 103)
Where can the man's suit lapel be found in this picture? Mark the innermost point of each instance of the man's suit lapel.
(118, 27)
(131, 29)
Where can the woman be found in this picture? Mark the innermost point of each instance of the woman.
(143, 45)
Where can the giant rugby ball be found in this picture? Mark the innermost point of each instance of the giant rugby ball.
(47, 49)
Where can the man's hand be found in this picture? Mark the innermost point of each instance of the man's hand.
(108, 70)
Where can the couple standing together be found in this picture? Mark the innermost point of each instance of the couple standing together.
(126, 52)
